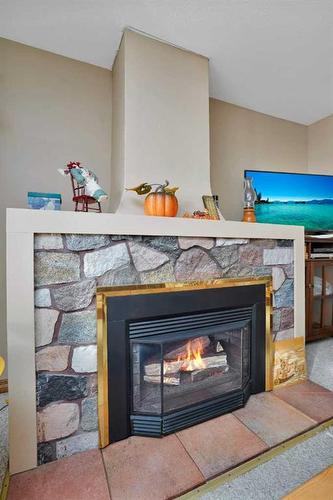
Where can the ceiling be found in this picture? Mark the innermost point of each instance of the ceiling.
(273, 56)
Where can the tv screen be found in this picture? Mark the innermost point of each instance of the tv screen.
(296, 199)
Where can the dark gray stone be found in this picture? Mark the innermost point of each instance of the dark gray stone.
(78, 328)
(276, 320)
(287, 319)
(74, 297)
(46, 452)
(89, 420)
(284, 297)
(125, 276)
(226, 255)
(126, 237)
(51, 388)
(285, 243)
(261, 271)
(264, 243)
(166, 244)
(79, 242)
(289, 270)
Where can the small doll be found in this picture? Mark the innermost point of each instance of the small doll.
(86, 178)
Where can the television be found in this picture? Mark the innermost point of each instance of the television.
(296, 199)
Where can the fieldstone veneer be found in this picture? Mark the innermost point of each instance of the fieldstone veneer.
(67, 270)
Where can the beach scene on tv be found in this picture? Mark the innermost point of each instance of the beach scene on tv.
(296, 199)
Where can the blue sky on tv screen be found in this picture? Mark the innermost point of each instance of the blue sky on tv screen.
(292, 187)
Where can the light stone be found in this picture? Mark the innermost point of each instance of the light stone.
(53, 358)
(45, 320)
(195, 264)
(279, 255)
(79, 242)
(52, 268)
(75, 444)
(107, 259)
(42, 297)
(285, 334)
(278, 277)
(48, 242)
(78, 327)
(85, 359)
(74, 297)
(58, 420)
(146, 259)
(186, 243)
(225, 242)
(163, 274)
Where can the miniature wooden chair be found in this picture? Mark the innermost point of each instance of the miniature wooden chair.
(83, 202)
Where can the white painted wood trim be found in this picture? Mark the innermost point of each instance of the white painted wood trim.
(22, 224)
(21, 352)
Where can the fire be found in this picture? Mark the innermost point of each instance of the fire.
(192, 360)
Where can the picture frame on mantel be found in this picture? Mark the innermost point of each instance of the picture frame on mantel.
(211, 205)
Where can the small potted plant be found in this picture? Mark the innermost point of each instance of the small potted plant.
(161, 202)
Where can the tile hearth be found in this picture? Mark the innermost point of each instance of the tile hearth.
(145, 468)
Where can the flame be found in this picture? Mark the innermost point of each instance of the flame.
(192, 360)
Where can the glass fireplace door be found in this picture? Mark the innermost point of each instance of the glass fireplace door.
(174, 371)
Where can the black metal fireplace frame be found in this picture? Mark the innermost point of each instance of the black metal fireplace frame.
(122, 309)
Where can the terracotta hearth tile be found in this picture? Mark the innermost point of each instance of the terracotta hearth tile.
(141, 468)
(220, 444)
(80, 477)
(273, 420)
(311, 399)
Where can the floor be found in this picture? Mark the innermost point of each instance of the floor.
(295, 466)
(3, 436)
(148, 468)
(320, 486)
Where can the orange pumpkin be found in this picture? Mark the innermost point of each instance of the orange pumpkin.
(161, 204)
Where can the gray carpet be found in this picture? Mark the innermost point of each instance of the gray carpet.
(279, 476)
(3, 437)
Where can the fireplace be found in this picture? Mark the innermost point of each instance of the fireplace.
(177, 354)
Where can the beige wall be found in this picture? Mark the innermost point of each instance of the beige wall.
(165, 120)
(244, 139)
(320, 146)
(52, 110)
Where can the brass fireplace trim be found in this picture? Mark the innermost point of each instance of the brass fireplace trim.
(113, 291)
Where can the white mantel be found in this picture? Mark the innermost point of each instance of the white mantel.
(23, 224)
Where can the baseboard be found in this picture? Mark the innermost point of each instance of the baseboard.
(3, 385)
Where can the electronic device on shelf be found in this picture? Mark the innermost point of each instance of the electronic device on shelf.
(295, 199)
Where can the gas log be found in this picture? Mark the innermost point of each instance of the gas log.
(187, 377)
(173, 367)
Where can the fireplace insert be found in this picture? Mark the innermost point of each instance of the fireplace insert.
(178, 355)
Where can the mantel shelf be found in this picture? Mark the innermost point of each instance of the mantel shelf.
(39, 221)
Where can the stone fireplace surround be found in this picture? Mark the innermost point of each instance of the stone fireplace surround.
(66, 356)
